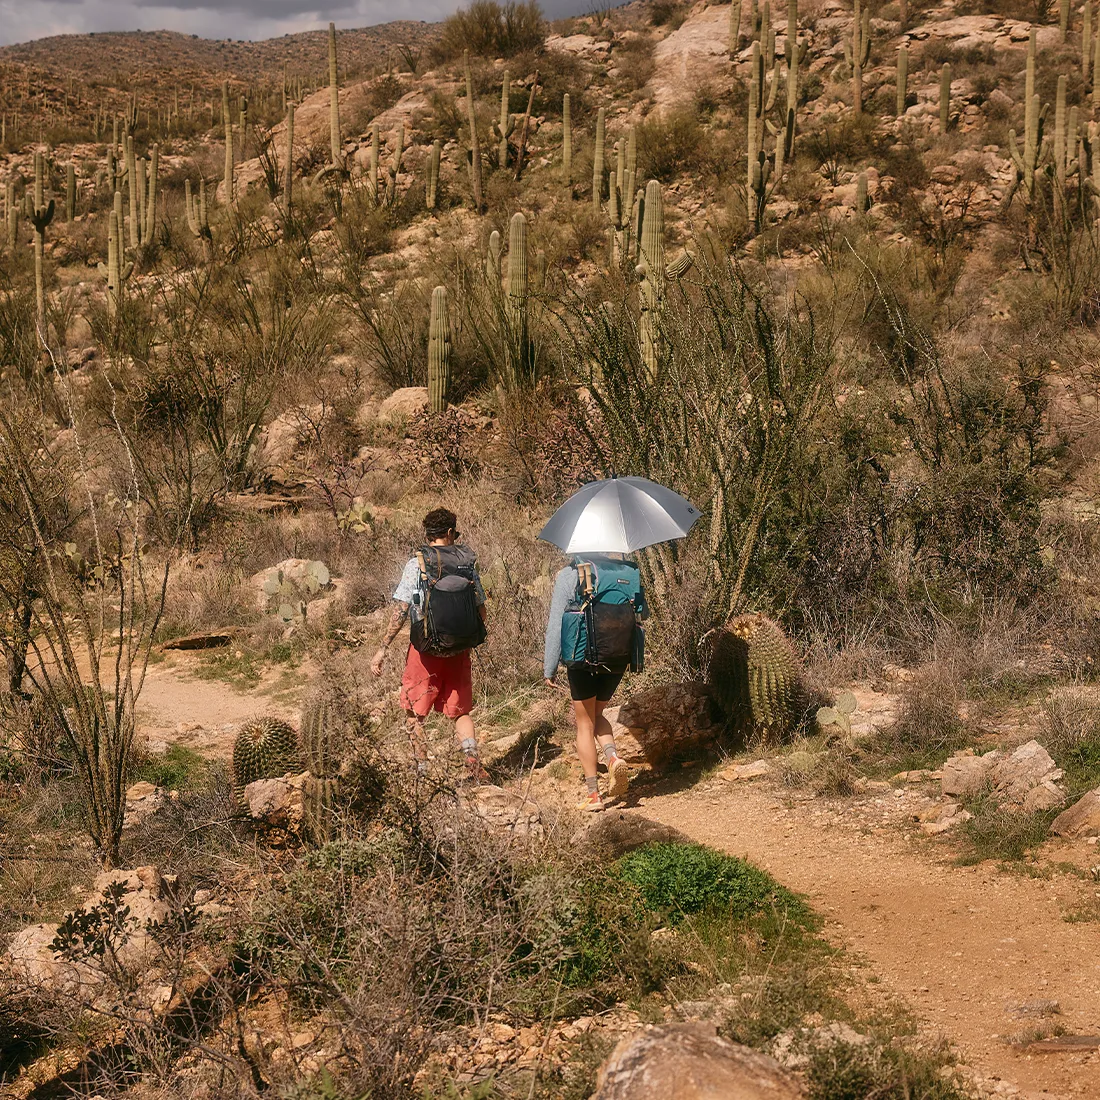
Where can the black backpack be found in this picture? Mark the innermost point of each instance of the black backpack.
(450, 621)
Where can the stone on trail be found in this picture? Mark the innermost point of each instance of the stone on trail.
(1081, 819)
(1030, 769)
(690, 1062)
(966, 775)
(143, 800)
(404, 404)
(616, 832)
(502, 809)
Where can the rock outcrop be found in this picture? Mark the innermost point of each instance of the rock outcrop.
(1026, 779)
(1081, 819)
(690, 1062)
(663, 722)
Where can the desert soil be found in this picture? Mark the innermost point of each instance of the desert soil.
(972, 950)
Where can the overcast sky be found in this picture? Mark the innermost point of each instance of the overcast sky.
(21, 20)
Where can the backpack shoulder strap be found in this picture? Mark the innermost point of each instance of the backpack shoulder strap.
(423, 567)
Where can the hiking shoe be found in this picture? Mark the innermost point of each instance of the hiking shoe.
(618, 775)
(476, 772)
(593, 803)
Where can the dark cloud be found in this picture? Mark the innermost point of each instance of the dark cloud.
(252, 19)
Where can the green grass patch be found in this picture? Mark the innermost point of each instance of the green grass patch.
(177, 769)
(676, 880)
(994, 832)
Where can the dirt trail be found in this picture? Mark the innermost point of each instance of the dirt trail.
(962, 946)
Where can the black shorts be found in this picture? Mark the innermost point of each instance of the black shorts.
(587, 684)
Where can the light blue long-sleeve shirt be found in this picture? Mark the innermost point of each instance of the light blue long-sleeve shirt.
(565, 587)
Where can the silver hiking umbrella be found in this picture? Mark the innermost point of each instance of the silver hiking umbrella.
(619, 515)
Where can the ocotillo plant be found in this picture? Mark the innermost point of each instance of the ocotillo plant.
(519, 345)
(40, 219)
(598, 160)
(197, 219)
(334, 101)
(507, 124)
(945, 98)
(70, 191)
(475, 142)
(566, 142)
(903, 80)
(288, 168)
(857, 52)
(431, 191)
(439, 352)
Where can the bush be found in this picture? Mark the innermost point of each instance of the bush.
(677, 880)
(856, 1071)
(489, 29)
(670, 146)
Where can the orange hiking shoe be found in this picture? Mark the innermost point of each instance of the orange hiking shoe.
(593, 803)
(476, 773)
(618, 774)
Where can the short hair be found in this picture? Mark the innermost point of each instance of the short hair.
(438, 522)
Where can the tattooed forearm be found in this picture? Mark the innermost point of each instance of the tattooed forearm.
(397, 621)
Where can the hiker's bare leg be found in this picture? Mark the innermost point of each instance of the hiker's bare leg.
(602, 728)
(464, 728)
(584, 714)
(418, 739)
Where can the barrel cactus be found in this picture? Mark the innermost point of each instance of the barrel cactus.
(266, 748)
(754, 677)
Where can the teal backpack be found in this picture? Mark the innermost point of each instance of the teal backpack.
(599, 630)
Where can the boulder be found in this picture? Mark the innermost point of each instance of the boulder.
(663, 722)
(404, 404)
(147, 899)
(277, 803)
(1017, 777)
(505, 810)
(143, 800)
(755, 770)
(966, 775)
(1081, 819)
(616, 832)
(942, 818)
(690, 1062)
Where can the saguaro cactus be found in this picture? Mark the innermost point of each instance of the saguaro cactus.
(116, 271)
(651, 271)
(1086, 40)
(70, 191)
(945, 98)
(857, 52)
(1063, 18)
(1027, 159)
(395, 167)
(229, 174)
(598, 160)
(507, 124)
(288, 168)
(334, 102)
(566, 142)
(41, 217)
(431, 191)
(197, 220)
(903, 80)
(519, 349)
(151, 197)
(475, 142)
(492, 258)
(12, 216)
(439, 352)
(735, 27)
(375, 154)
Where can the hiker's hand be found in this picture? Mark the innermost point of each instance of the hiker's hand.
(550, 682)
(377, 661)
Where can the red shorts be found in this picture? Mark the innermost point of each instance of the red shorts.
(444, 683)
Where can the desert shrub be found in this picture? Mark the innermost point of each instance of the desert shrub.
(1071, 733)
(634, 60)
(670, 145)
(1000, 832)
(676, 880)
(853, 1071)
(490, 29)
(668, 13)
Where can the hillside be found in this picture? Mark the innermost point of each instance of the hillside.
(830, 271)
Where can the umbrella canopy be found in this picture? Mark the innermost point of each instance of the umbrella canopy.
(619, 515)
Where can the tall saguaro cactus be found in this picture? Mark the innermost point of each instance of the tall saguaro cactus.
(903, 80)
(945, 98)
(150, 227)
(288, 168)
(1026, 160)
(857, 52)
(566, 141)
(439, 352)
(598, 160)
(116, 271)
(70, 191)
(229, 172)
(516, 301)
(507, 124)
(431, 190)
(475, 141)
(197, 220)
(334, 101)
(41, 216)
(651, 271)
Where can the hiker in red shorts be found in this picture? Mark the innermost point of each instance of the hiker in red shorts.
(440, 590)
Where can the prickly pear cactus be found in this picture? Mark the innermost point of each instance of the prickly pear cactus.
(754, 677)
(836, 721)
(266, 748)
